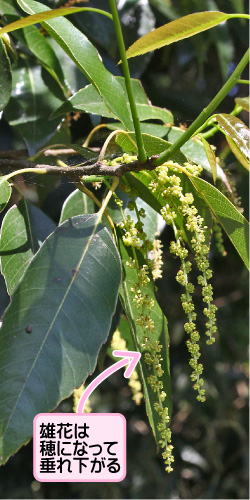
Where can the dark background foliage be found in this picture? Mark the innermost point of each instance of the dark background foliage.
(210, 439)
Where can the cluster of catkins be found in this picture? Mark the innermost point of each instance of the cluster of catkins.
(166, 182)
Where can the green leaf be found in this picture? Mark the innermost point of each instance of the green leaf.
(74, 78)
(24, 228)
(5, 192)
(77, 203)
(38, 18)
(161, 333)
(87, 59)
(232, 221)
(5, 76)
(8, 7)
(177, 30)
(40, 47)
(192, 149)
(153, 146)
(30, 105)
(243, 102)
(59, 317)
(89, 101)
(211, 158)
(237, 131)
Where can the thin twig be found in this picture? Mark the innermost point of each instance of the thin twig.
(98, 168)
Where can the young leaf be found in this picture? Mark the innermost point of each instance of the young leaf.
(5, 77)
(177, 30)
(77, 203)
(237, 132)
(211, 158)
(24, 228)
(85, 56)
(243, 102)
(130, 277)
(59, 317)
(238, 152)
(232, 221)
(5, 192)
(38, 18)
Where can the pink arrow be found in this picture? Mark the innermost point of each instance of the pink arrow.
(130, 358)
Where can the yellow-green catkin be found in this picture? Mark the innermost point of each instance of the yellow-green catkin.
(167, 183)
(77, 393)
(135, 237)
(219, 241)
(118, 343)
(156, 257)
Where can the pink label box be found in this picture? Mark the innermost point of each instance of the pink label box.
(87, 447)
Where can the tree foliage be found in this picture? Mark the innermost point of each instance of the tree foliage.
(63, 277)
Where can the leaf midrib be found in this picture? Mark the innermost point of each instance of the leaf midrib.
(52, 323)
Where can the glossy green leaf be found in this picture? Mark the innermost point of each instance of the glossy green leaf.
(161, 333)
(211, 158)
(5, 76)
(85, 56)
(237, 131)
(39, 17)
(243, 102)
(232, 221)
(153, 146)
(5, 192)
(73, 76)
(89, 101)
(30, 105)
(59, 317)
(40, 47)
(176, 30)
(24, 228)
(77, 203)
